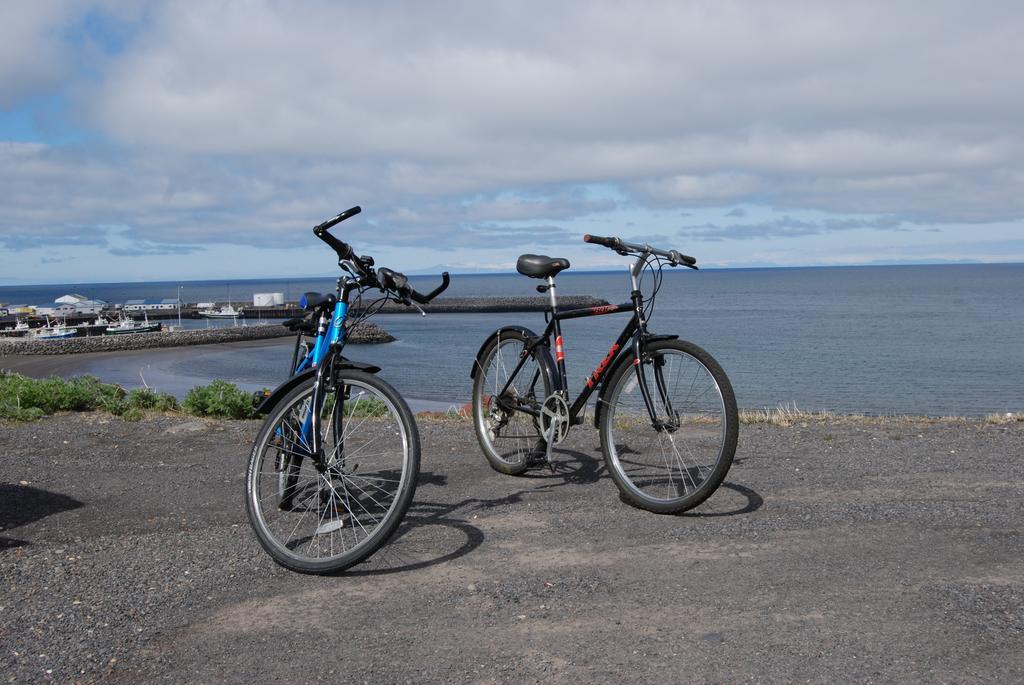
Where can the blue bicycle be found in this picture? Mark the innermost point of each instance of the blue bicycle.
(335, 463)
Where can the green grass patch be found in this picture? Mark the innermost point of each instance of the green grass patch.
(363, 405)
(221, 400)
(29, 399)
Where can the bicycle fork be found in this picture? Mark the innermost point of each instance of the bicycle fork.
(672, 424)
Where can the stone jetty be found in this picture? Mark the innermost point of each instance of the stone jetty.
(442, 305)
(365, 333)
(486, 305)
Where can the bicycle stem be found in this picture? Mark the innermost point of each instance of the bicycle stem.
(638, 365)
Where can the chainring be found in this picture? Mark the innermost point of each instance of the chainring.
(554, 419)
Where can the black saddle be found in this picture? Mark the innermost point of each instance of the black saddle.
(540, 266)
(314, 300)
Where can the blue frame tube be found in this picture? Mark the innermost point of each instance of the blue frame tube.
(335, 334)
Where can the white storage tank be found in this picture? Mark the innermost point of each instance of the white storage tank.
(267, 299)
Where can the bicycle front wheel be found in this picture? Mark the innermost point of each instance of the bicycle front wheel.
(676, 463)
(322, 515)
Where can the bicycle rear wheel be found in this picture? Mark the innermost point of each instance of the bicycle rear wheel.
(324, 520)
(509, 435)
(679, 465)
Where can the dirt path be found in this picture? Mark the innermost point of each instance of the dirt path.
(836, 551)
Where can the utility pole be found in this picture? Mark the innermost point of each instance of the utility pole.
(179, 306)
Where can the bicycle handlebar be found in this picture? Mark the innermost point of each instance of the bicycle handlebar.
(613, 243)
(338, 219)
(399, 282)
(623, 247)
(386, 278)
(423, 299)
(343, 249)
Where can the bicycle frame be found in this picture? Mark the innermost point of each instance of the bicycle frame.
(635, 330)
(330, 337)
(327, 334)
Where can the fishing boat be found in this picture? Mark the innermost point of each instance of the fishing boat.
(54, 331)
(225, 312)
(20, 329)
(128, 325)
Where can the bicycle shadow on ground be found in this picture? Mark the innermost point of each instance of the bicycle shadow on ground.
(712, 507)
(431, 533)
(21, 505)
(585, 469)
(579, 468)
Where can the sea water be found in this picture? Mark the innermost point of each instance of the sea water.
(945, 339)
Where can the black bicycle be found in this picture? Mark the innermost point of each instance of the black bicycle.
(335, 463)
(665, 409)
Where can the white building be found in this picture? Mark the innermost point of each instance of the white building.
(71, 305)
(166, 303)
(267, 299)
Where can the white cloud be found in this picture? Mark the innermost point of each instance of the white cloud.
(223, 119)
(33, 56)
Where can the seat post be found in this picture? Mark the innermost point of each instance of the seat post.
(551, 292)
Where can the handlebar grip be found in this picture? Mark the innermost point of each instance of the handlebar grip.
(683, 258)
(338, 219)
(600, 240)
(343, 249)
(423, 299)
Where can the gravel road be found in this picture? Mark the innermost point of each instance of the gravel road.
(842, 550)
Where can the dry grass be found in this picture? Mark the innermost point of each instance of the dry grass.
(1008, 417)
(454, 413)
(790, 415)
(784, 415)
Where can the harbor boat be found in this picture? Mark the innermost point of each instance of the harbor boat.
(225, 312)
(20, 329)
(54, 331)
(128, 325)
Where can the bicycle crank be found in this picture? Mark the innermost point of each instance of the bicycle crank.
(554, 421)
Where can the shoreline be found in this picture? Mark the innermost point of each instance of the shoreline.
(45, 365)
(65, 366)
(364, 334)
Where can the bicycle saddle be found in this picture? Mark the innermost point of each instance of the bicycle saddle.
(314, 300)
(540, 266)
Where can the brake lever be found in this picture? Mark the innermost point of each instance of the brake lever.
(403, 294)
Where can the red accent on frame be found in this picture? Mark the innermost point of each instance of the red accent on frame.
(559, 352)
(596, 376)
(605, 309)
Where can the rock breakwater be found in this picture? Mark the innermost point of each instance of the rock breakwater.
(487, 305)
(366, 333)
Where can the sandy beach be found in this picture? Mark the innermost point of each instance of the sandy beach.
(837, 550)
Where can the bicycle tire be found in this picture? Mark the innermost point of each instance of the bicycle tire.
(370, 490)
(511, 458)
(705, 418)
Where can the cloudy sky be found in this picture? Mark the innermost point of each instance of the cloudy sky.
(176, 140)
